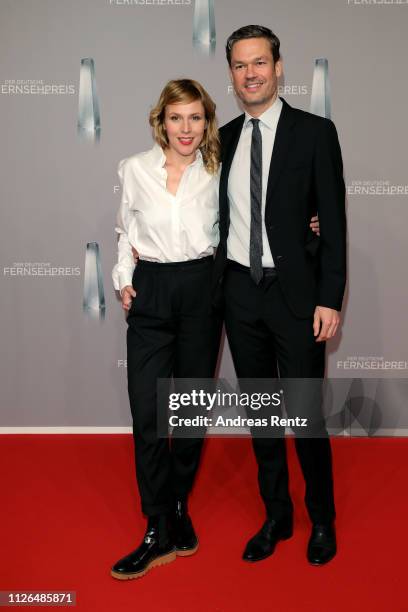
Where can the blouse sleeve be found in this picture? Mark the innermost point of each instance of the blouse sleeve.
(122, 272)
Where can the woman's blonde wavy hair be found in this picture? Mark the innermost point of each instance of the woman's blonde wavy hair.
(185, 91)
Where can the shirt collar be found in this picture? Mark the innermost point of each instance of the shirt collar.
(159, 158)
(270, 117)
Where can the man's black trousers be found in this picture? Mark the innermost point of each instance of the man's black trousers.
(267, 340)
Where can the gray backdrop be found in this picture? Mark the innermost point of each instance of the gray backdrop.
(63, 368)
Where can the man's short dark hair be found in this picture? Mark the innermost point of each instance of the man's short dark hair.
(254, 31)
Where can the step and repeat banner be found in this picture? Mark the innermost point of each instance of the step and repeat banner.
(77, 81)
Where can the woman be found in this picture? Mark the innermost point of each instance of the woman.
(169, 213)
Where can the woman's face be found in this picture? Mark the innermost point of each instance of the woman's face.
(185, 125)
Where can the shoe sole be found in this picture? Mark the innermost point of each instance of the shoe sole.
(186, 553)
(162, 560)
(284, 537)
(321, 564)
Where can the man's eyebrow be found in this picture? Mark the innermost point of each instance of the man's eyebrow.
(256, 59)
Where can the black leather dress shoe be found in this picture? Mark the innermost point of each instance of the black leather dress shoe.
(184, 536)
(156, 549)
(263, 543)
(322, 544)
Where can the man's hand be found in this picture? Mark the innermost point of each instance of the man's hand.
(315, 225)
(127, 294)
(326, 321)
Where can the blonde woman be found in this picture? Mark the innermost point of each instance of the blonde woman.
(169, 214)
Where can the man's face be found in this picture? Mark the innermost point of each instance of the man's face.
(253, 72)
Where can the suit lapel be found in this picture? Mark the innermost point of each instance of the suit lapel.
(283, 140)
(229, 149)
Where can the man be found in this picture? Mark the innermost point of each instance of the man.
(282, 294)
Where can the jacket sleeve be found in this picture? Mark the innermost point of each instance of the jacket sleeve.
(122, 272)
(330, 197)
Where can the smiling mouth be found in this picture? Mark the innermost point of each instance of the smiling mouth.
(253, 86)
(186, 141)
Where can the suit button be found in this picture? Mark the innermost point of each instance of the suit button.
(279, 257)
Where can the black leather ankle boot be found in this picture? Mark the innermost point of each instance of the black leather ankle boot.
(184, 536)
(157, 548)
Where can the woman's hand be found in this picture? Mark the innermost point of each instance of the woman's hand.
(136, 254)
(314, 225)
(127, 294)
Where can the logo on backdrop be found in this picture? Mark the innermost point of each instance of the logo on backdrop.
(94, 294)
(371, 363)
(376, 188)
(149, 2)
(377, 2)
(284, 90)
(35, 87)
(89, 121)
(39, 269)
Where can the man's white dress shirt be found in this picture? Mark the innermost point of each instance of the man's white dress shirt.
(239, 186)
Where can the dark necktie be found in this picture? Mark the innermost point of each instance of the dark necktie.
(255, 239)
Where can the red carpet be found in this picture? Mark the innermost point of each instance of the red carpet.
(70, 509)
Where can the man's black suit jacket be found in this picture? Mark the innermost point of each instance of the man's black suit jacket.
(305, 177)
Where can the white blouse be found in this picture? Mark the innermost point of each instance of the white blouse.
(161, 226)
